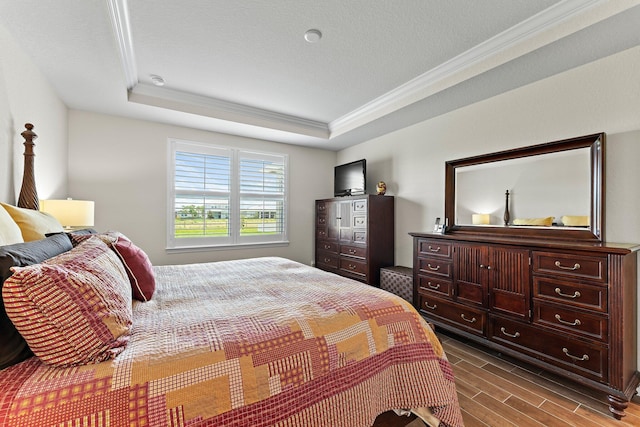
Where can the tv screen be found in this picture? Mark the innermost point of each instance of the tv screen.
(350, 179)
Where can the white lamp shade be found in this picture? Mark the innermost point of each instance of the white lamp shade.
(480, 219)
(70, 213)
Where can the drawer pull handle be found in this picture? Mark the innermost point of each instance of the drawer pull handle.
(576, 266)
(466, 319)
(327, 260)
(576, 294)
(352, 267)
(327, 246)
(564, 322)
(432, 286)
(584, 358)
(504, 331)
(431, 307)
(432, 249)
(352, 251)
(436, 268)
(488, 267)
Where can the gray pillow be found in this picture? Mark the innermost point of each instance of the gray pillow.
(13, 348)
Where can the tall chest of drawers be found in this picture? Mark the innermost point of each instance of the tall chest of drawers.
(355, 236)
(569, 308)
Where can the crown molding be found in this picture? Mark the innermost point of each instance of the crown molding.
(119, 14)
(432, 81)
(437, 79)
(211, 107)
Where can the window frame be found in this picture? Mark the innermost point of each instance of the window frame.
(234, 239)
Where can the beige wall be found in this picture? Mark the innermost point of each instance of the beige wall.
(601, 96)
(26, 96)
(122, 165)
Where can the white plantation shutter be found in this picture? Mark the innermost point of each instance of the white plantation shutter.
(221, 196)
(262, 196)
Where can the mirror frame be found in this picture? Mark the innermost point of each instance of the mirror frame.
(594, 233)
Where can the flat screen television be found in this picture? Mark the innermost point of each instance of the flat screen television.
(350, 179)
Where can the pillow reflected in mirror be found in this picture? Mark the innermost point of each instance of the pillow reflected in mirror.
(547, 221)
(575, 220)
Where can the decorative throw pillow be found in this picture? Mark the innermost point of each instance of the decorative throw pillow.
(34, 225)
(534, 221)
(575, 220)
(72, 309)
(138, 266)
(135, 260)
(13, 347)
(9, 231)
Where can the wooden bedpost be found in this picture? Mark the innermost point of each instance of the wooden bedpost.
(28, 193)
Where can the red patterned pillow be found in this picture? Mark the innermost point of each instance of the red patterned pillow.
(74, 308)
(135, 260)
(138, 266)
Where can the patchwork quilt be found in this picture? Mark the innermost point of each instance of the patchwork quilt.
(259, 342)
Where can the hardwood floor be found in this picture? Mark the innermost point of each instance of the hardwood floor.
(496, 392)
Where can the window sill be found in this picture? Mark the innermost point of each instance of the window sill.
(183, 249)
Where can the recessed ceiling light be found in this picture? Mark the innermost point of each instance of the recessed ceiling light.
(313, 36)
(156, 80)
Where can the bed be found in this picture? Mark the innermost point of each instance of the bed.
(114, 341)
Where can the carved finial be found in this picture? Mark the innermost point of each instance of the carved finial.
(29, 135)
(28, 195)
(507, 216)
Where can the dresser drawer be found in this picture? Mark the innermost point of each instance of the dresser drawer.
(434, 248)
(353, 267)
(327, 247)
(570, 265)
(327, 259)
(359, 221)
(353, 251)
(581, 357)
(591, 297)
(572, 321)
(359, 236)
(435, 267)
(321, 208)
(360, 205)
(427, 285)
(457, 315)
(322, 233)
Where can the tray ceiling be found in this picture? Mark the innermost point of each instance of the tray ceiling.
(245, 68)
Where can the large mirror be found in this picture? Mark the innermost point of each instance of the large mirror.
(552, 190)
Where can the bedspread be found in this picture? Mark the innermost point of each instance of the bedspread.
(257, 342)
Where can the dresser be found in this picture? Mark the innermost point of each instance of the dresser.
(355, 236)
(566, 307)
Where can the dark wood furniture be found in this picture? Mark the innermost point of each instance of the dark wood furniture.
(567, 307)
(355, 236)
(592, 145)
(28, 194)
(558, 297)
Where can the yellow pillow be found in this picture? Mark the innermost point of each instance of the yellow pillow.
(576, 220)
(533, 221)
(9, 230)
(33, 224)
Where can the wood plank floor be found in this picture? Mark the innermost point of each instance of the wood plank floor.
(496, 392)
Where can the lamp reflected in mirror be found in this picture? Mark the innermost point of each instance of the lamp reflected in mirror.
(480, 219)
(72, 214)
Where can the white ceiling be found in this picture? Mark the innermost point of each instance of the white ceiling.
(243, 66)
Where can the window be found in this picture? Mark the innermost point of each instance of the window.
(222, 196)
